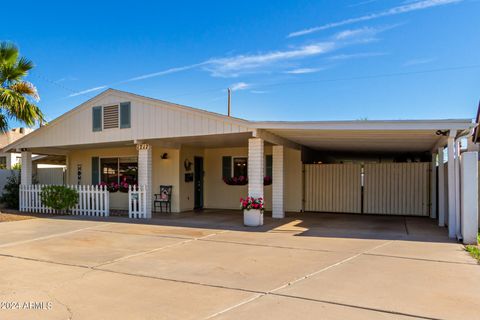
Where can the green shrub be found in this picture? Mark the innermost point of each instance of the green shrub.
(10, 196)
(60, 198)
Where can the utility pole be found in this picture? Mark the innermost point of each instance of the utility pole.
(229, 101)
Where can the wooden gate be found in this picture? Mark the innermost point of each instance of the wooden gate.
(377, 188)
(333, 187)
(397, 188)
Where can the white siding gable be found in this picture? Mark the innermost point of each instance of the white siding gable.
(150, 119)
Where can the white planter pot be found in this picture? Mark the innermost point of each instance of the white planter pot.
(253, 218)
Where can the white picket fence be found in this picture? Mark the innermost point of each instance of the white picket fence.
(92, 200)
(137, 202)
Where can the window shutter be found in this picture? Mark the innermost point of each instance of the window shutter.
(268, 165)
(97, 118)
(226, 167)
(125, 115)
(95, 170)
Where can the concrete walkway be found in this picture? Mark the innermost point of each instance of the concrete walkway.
(208, 266)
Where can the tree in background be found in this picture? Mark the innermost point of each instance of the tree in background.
(17, 96)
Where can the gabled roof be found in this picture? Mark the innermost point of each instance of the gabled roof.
(240, 125)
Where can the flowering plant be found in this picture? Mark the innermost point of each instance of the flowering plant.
(111, 187)
(251, 203)
(242, 180)
(236, 181)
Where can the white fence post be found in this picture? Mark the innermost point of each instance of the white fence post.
(137, 202)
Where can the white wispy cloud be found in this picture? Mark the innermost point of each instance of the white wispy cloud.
(363, 32)
(234, 66)
(362, 3)
(405, 8)
(414, 62)
(304, 70)
(87, 91)
(239, 86)
(357, 55)
(164, 72)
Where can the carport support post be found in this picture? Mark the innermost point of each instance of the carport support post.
(26, 171)
(145, 174)
(433, 187)
(469, 197)
(452, 229)
(441, 189)
(278, 186)
(255, 167)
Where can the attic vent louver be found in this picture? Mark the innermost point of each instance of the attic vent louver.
(110, 117)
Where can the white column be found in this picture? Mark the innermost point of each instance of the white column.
(26, 172)
(457, 189)
(145, 173)
(278, 185)
(452, 229)
(469, 197)
(433, 187)
(255, 167)
(441, 189)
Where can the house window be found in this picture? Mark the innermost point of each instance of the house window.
(112, 116)
(116, 170)
(240, 167)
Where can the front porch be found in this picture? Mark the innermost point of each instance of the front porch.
(146, 165)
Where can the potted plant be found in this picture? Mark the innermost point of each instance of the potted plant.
(252, 211)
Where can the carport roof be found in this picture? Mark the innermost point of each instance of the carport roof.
(396, 136)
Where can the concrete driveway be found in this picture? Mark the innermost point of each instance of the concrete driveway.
(207, 266)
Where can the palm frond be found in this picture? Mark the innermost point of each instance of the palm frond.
(3, 123)
(10, 74)
(24, 65)
(25, 88)
(16, 106)
(8, 53)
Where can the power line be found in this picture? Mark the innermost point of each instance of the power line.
(365, 77)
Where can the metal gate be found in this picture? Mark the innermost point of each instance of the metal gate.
(388, 188)
(397, 188)
(333, 187)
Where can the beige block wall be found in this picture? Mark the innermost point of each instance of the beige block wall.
(219, 195)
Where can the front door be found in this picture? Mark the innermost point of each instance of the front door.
(198, 167)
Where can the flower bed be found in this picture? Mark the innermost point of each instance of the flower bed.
(114, 187)
(242, 180)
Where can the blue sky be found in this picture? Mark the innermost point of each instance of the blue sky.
(285, 60)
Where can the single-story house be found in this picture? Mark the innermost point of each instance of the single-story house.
(212, 160)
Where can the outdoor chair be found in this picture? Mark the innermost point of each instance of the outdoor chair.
(163, 198)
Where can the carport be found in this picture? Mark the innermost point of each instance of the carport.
(385, 168)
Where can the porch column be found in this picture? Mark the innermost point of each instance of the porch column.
(441, 189)
(26, 171)
(433, 187)
(255, 167)
(452, 229)
(469, 198)
(145, 173)
(278, 186)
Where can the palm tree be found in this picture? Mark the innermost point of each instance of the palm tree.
(17, 96)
